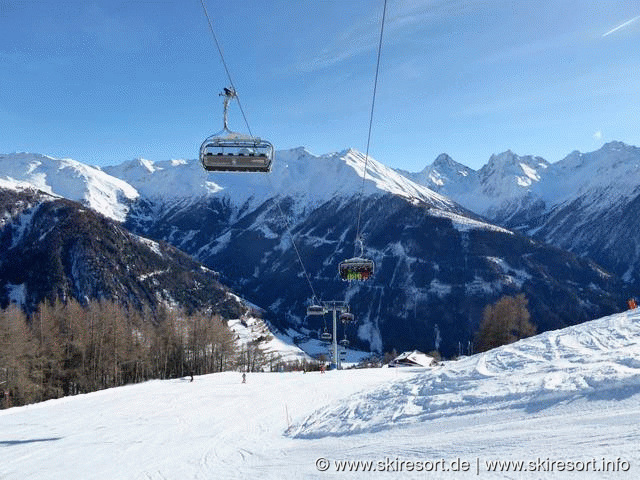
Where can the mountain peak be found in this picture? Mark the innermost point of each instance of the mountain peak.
(510, 162)
(504, 158)
(615, 146)
(299, 151)
(354, 154)
(138, 163)
(507, 175)
(70, 179)
(148, 164)
(611, 155)
(444, 160)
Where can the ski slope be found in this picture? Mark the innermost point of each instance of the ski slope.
(565, 404)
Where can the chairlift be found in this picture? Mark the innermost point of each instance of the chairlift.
(344, 342)
(357, 268)
(228, 151)
(347, 317)
(325, 336)
(315, 310)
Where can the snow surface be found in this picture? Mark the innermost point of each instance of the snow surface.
(601, 179)
(570, 395)
(281, 346)
(310, 179)
(296, 173)
(465, 224)
(152, 244)
(69, 179)
(252, 329)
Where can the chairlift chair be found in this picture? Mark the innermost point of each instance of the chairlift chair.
(228, 151)
(315, 310)
(325, 336)
(356, 268)
(347, 317)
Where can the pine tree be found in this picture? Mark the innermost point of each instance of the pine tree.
(18, 378)
(507, 321)
(50, 348)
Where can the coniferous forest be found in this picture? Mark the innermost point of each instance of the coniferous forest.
(68, 348)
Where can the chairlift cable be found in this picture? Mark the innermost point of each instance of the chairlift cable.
(314, 297)
(277, 202)
(373, 102)
(224, 63)
(361, 268)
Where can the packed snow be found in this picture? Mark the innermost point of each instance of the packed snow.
(563, 404)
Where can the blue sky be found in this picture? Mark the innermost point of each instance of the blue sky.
(106, 81)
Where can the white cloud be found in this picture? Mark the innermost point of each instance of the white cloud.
(597, 135)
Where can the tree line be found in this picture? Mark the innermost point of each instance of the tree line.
(66, 348)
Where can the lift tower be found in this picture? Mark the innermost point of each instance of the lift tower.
(335, 306)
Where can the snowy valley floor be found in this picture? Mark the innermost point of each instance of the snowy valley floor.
(566, 404)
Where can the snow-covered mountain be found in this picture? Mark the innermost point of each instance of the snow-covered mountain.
(69, 179)
(296, 173)
(437, 264)
(564, 404)
(446, 176)
(51, 248)
(593, 208)
(495, 191)
(586, 203)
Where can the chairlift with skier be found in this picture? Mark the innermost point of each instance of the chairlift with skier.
(228, 151)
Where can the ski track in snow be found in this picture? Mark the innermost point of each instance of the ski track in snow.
(552, 367)
(567, 395)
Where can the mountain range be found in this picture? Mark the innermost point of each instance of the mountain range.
(587, 203)
(53, 248)
(446, 241)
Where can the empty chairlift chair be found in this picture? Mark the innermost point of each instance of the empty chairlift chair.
(325, 336)
(315, 310)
